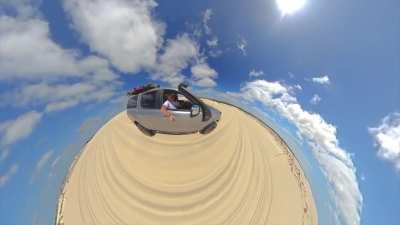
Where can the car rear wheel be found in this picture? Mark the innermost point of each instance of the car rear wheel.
(210, 127)
(144, 130)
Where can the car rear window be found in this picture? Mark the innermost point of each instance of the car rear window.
(148, 100)
(132, 102)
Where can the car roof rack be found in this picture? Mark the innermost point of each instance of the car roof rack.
(142, 88)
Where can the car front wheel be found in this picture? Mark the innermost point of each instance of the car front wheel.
(144, 130)
(210, 127)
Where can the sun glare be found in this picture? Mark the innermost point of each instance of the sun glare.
(288, 7)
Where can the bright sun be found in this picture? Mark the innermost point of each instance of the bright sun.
(290, 6)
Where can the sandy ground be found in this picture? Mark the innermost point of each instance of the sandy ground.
(241, 173)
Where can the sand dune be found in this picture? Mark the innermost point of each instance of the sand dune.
(241, 173)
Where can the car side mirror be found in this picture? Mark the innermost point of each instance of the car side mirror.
(195, 110)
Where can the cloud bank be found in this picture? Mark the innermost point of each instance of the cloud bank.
(387, 139)
(335, 162)
(129, 36)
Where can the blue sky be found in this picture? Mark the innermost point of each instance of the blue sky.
(66, 64)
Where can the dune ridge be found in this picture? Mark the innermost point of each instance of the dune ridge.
(241, 173)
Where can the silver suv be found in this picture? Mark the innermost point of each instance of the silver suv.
(192, 116)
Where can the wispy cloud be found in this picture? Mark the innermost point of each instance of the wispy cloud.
(207, 14)
(8, 174)
(315, 99)
(44, 159)
(242, 45)
(321, 80)
(256, 73)
(335, 162)
(57, 97)
(387, 139)
(14, 130)
(212, 42)
(55, 161)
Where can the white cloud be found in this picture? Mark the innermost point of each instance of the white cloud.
(335, 162)
(387, 139)
(212, 42)
(43, 160)
(22, 41)
(55, 161)
(212, 49)
(315, 99)
(59, 96)
(126, 33)
(321, 80)
(207, 14)
(7, 175)
(14, 130)
(121, 30)
(60, 105)
(96, 69)
(256, 73)
(44, 92)
(242, 45)
(178, 54)
(203, 75)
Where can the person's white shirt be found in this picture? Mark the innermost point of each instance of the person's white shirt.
(169, 105)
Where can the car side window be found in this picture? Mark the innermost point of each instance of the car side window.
(149, 101)
(132, 102)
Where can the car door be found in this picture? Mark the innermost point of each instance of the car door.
(184, 122)
(149, 114)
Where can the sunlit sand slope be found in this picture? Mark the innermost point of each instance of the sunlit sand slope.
(241, 173)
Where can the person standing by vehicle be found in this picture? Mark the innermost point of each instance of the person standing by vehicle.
(170, 104)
